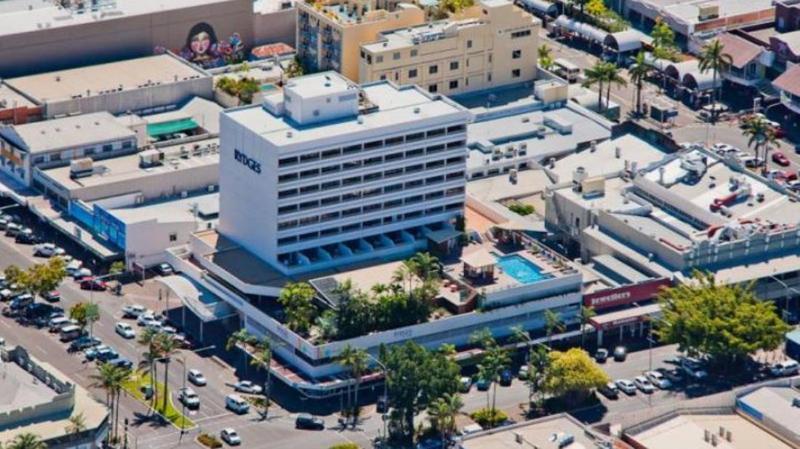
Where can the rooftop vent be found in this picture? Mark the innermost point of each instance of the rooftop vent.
(416, 110)
(289, 134)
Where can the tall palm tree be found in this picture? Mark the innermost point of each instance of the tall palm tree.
(714, 58)
(426, 266)
(552, 323)
(240, 337)
(150, 359)
(168, 348)
(442, 413)
(27, 441)
(495, 360)
(263, 359)
(584, 315)
(596, 75)
(638, 72)
(545, 56)
(111, 378)
(355, 360)
(760, 134)
(77, 424)
(612, 77)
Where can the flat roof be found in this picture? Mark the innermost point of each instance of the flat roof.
(753, 271)
(12, 98)
(688, 10)
(541, 433)
(20, 19)
(396, 106)
(686, 432)
(68, 132)
(626, 314)
(318, 84)
(92, 80)
(603, 160)
(126, 168)
(19, 389)
(775, 404)
(172, 211)
(205, 113)
(495, 188)
(408, 37)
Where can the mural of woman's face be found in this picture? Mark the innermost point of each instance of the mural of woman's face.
(201, 42)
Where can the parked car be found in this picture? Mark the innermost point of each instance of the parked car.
(12, 229)
(601, 355)
(752, 162)
(189, 398)
(626, 387)
(6, 294)
(482, 384)
(125, 330)
(73, 266)
(781, 159)
(90, 283)
(85, 342)
(81, 274)
(164, 269)
(609, 390)
(506, 378)
(69, 333)
(121, 362)
(643, 384)
(47, 250)
(523, 372)
(52, 296)
(236, 404)
(306, 421)
(25, 237)
(230, 436)
(196, 377)
(246, 386)
(55, 324)
(145, 317)
(133, 311)
(785, 368)
(101, 353)
(620, 353)
(465, 384)
(658, 379)
(675, 376)
(693, 368)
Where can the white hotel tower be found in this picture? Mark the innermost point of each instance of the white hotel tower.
(329, 173)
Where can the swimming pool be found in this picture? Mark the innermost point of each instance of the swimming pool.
(521, 269)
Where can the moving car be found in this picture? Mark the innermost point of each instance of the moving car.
(609, 390)
(658, 379)
(189, 398)
(307, 421)
(643, 384)
(236, 404)
(781, 159)
(246, 386)
(626, 387)
(125, 330)
(620, 353)
(133, 311)
(230, 436)
(196, 377)
(53, 296)
(785, 368)
(601, 355)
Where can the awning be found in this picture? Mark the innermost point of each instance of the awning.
(702, 80)
(174, 126)
(479, 258)
(541, 6)
(442, 235)
(586, 31)
(656, 63)
(677, 70)
(201, 302)
(628, 40)
(627, 316)
(523, 225)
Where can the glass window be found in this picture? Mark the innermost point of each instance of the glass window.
(287, 161)
(454, 84)
(412, 73)
(516, 73)
(516, 54)
(433, 88)
(432, 70)
(453, 65)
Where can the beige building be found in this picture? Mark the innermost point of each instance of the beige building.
(330, 33)
(493, 44)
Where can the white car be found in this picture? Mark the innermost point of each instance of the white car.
(145, 317)
(245, 386)
(643, 384)
(125, 330)
(189, 398)
(723, 149)
(785, 368)
(133, 311)
(73, 266)
(230, 436)
(82, 273)
(196, 377)
(626, 387)
(47, 250)
(658, 380)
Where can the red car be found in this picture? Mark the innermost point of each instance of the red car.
(93, 284)
(780, 159)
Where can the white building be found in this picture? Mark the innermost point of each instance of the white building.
(328, 173)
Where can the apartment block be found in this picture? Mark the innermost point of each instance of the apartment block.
(329, 173)
(330, 33)
(494, 46)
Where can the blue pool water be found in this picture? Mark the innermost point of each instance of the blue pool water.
(520, 268)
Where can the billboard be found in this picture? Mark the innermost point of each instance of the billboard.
(627, 294)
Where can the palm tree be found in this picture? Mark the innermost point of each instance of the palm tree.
(545, 56)
(27, 441)
(167, 348)
(404, 274)
(442, 413)
(263, 359)
(150, 359)
(77, 424)
(761, 134)
(243, 337)
(612, 76)
(111, 378)
(552, 323)
(426, 266)
(596, 75)
(584, 315)
(355, 360)
(638, 72)
(495, 360)
(714, 58)
(538, 366)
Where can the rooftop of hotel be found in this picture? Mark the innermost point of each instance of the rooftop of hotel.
(68, 132)
(178, 210)
(687, 431)
(126, 168)
(542, 433)
(687, 10)
(102, 78)
(338, 12)
(409, 37)
(394, 106)
(22, 16)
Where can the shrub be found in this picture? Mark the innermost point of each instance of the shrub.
(208, 440)
(345, 446)
(488, 418)
(521, 208)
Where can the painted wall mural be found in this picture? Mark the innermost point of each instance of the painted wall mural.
(204, 49)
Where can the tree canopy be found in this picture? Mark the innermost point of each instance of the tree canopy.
(297, 300)
(723, 322)
(664, 41)
(38, 279)
(573, 374)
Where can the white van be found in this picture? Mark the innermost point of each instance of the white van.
(785, 368)
(566, 70)
(57, 323)
(236, 404)
(69, 333)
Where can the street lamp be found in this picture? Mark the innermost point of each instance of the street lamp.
(385, 394)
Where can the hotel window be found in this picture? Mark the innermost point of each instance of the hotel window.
(396, 55)
(285, 162)
(378, 59)
(127, 144)
(373, 161)
(433, 88)
(432, 70)
(454, 65)
(413, 52)
(516, 54)
(412, 73)
(453, 84)
(469, 44)
(518, 34)
(173, 237)
(516, 73)
(107, 148)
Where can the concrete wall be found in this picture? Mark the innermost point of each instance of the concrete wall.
(123, 37)
(276, 26)
(149, 239)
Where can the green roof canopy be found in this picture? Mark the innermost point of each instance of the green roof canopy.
(173, 126)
